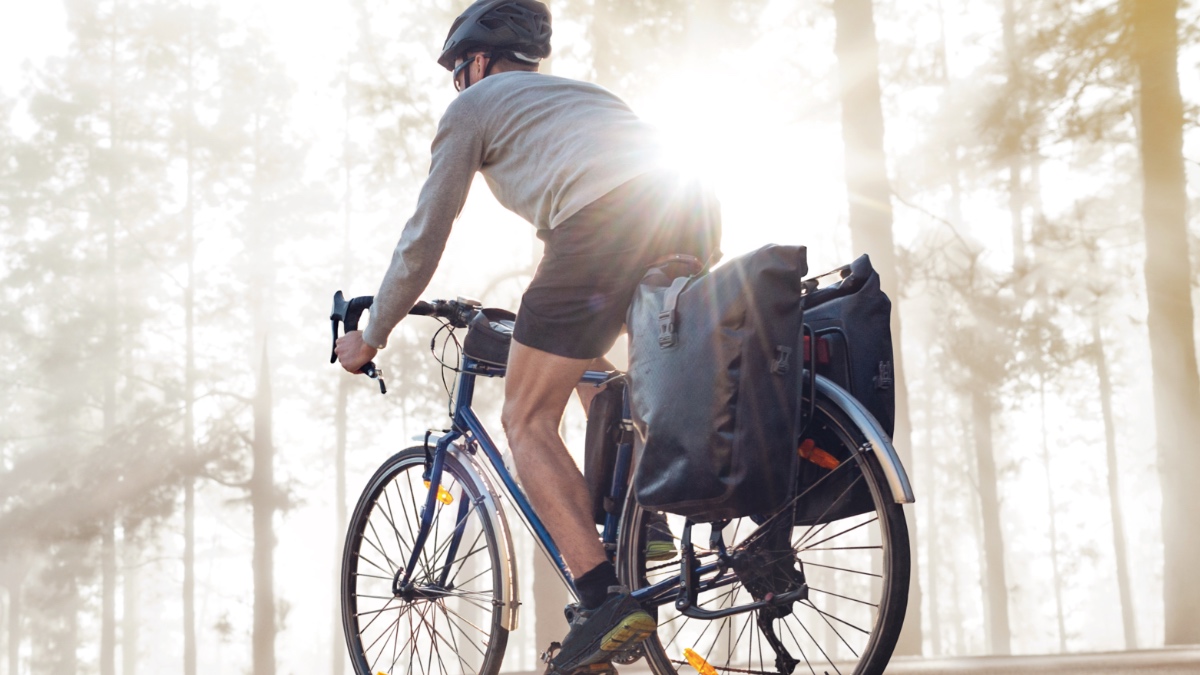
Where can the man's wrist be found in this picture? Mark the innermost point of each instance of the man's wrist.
(372, 344)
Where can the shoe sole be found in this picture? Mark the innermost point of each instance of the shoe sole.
(629, 632)
(659, 551)
(632, 630)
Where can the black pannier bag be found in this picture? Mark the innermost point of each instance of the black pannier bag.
(600, 447)
(851, 323)
(715, 364)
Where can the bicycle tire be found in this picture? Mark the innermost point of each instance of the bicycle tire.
(829, 631)
(387, 633)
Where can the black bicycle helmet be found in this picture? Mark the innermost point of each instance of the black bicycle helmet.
(518, 27)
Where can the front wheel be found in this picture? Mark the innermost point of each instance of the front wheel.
(849, 545)
(449, 620)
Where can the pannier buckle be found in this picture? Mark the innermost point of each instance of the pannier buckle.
(780, 365)
(666, 329)
(884, 379)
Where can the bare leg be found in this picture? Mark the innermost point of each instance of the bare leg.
(536, 390)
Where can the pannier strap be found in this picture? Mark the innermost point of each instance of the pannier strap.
(668, 331)
(680, 267)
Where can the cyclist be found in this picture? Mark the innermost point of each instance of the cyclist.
(576, 162)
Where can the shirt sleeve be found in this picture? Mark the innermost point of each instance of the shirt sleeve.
(457, 154)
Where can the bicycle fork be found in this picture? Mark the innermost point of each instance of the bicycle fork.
(402, 585)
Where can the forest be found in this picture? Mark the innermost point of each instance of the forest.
(185, 183)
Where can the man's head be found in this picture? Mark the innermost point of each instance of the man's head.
(496, 35)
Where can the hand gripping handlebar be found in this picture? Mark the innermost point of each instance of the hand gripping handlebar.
(348, 314)
(457, 313)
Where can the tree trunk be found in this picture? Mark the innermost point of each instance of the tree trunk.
(108, 599)
(995, 583)
(129, 598)
(112, 351)
(1012, 145)
(931, 533)
(262, 500)
(1052, 518)
(1170, 319)
(68, 656)
(189, 379)
(14, 627)
(1104, 385)
(871, 225)
(343, 394)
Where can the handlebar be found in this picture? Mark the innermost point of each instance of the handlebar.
(348, 312)
(458, 312)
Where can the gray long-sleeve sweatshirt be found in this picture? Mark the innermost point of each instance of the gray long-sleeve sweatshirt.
(547, 146)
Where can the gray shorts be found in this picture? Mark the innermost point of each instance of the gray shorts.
(576, 304)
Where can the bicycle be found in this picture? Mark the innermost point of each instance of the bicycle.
(429, 581)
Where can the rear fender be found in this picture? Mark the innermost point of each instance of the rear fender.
(877, 438)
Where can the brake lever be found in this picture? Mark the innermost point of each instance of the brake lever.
(348, 313)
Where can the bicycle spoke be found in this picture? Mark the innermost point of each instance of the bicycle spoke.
(840, 620)
(803, 654)
(795, 500)
(360, 575)
(818, 644)
(834, 628)
(415, 518)
(808, 563)
(838, 499)
(444, 546)
(454, 640)
(382, 634)
(379, 548)
(741, 633)
(846, 548)
(861, 602)
(462, 561)
(809, 533)
(360, 556)
(387, 514)
(464, 632)
(834, 536)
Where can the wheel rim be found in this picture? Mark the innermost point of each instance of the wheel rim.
(852, 565)
(429, 628)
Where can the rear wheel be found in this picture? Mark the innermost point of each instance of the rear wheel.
(449, 622)
(849, 545)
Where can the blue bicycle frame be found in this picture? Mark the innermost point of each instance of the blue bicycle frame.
(466, 424)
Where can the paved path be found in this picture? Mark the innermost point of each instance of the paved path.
(1159, 661)
(1181, 661)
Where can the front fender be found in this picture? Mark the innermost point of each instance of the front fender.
(490, 509)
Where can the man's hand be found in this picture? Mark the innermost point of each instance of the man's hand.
(352, 352)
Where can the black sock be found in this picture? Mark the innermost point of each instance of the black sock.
(593, 585)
